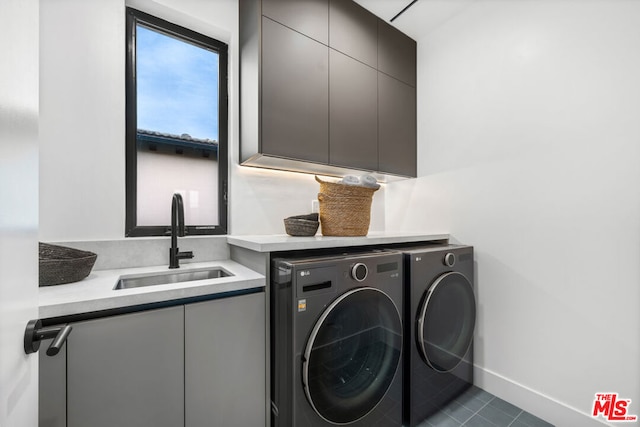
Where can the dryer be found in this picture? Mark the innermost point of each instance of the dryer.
(440, 315)
(336, 340)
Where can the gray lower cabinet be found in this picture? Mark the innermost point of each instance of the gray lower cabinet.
(52, 387)
(193, 365)
(225, 382)
(127, 370)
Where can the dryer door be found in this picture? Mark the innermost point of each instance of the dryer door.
(352, 355)
(446, 320)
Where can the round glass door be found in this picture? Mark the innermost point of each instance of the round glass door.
(352, 355)
(446, 320)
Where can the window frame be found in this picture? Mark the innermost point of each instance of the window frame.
(132, 229)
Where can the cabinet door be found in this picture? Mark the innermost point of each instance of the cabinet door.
(52, 388)
(225, 348)
(396, 53)
(295, 95)
(127, 370)
(309, 17)
(396, 126)
(353, 30)
(353, 113)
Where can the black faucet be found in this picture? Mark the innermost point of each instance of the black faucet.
(177, 229)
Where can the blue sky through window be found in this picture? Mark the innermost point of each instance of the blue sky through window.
(177, 86)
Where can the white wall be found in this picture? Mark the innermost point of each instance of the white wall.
(18, 209)
(82, 104)
(81, 119)
(529, 149)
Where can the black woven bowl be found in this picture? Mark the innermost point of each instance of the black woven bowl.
(59, 264)
(302, 225)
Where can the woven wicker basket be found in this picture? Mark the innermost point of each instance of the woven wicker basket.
(345, 210)
(59, 264)
(343, 190)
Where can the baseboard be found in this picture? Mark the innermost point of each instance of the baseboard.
(539, 404)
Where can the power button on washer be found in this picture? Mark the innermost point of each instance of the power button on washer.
(359, 272)
(449, 259)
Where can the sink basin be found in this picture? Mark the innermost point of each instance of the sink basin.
(140, 280)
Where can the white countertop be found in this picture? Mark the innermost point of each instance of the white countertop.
(274, 243)
(96, 292)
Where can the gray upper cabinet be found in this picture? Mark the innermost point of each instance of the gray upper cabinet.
(353, 113)
(396, 126)
(353, 31)
(295, 95)
(308, 17)
(309, 89)
(396, 54)
(127, 370)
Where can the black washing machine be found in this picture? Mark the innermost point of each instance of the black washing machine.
(440, 315)
(336, 340)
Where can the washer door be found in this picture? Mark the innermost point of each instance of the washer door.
(352, 355)
(446, 320)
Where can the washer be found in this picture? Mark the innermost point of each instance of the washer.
(336, 340)
(440, 310)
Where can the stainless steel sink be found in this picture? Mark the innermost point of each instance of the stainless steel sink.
(151, 279)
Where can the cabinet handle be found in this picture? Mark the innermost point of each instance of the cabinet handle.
(35, 333)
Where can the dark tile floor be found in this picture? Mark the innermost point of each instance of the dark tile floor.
(477, 408)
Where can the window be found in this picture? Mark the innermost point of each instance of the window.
(176, 127)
